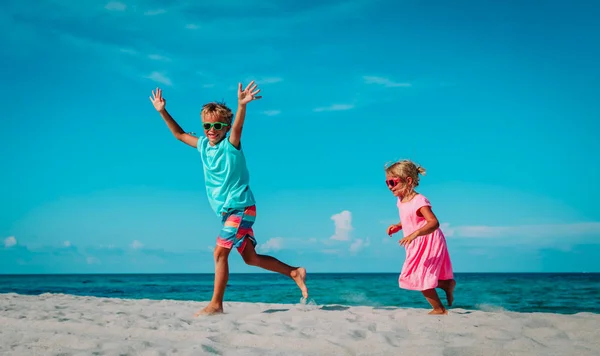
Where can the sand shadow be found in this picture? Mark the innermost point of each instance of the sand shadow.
(210, 350)
(334, 308)
(271, 311)
(460, 311)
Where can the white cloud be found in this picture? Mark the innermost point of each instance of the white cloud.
(155, 12)
(10, 241)
(273, 244)
(386, 82)
(160, 78)
(158, 57)
(330, 251)
(92, 260)
(128, 51)
(343, 225)
(268, 80)
(529, 231)
(280, 23)
(334, 107)
(115, 6)
(136, 244)
(359, 244)
(67, 243)
(271, 112)
(557, 236)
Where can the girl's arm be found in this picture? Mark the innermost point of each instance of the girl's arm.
(392, 229)
(431, 226)
(432, 221)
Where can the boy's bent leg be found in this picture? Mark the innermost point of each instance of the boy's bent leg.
(298, 274)
(215, 306)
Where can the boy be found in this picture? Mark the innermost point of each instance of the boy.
(227, 188)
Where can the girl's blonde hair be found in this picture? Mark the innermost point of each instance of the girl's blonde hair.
(404, 169)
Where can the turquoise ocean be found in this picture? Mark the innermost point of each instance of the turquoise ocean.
(565, 293)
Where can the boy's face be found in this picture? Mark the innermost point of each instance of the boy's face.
(215, 128)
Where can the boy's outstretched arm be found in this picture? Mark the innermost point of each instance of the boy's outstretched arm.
(244, 97)
(159, 104)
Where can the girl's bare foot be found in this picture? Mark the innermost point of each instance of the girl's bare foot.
(299, 276)
(450, 292)
(438, 312)
(210, 310)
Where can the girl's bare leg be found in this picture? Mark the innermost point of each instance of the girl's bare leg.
(447, 286)
(433, 299)
(215, 306)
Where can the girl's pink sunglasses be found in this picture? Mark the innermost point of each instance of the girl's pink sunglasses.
(391, 183)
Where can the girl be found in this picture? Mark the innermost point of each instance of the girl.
(427, 263)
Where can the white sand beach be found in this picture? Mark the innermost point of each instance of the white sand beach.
(56, 324)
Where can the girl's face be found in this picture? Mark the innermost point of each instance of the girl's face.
(398, 186)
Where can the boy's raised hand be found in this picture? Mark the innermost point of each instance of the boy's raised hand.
(157, 100)
(247, 95)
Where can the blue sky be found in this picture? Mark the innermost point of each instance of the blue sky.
(498, 102)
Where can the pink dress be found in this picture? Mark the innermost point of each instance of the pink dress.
(427, 258)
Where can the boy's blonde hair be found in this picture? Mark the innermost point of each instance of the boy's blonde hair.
(219, 109)
(404, 169)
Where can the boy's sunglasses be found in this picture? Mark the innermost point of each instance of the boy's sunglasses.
(391, 183)
(217, 125)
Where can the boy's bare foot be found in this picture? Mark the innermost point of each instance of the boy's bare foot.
(299, 276)
(210, 310)
(438, 312)
(450, 292)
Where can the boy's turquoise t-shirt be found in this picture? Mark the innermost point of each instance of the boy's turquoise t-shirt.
(226, 175)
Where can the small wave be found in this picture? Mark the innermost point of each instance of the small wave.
(359, 298)
(490, 308)
(307, 304)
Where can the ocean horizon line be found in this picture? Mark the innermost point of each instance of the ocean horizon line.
(268, 273)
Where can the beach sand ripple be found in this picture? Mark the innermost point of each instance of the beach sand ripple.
(57, 324)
